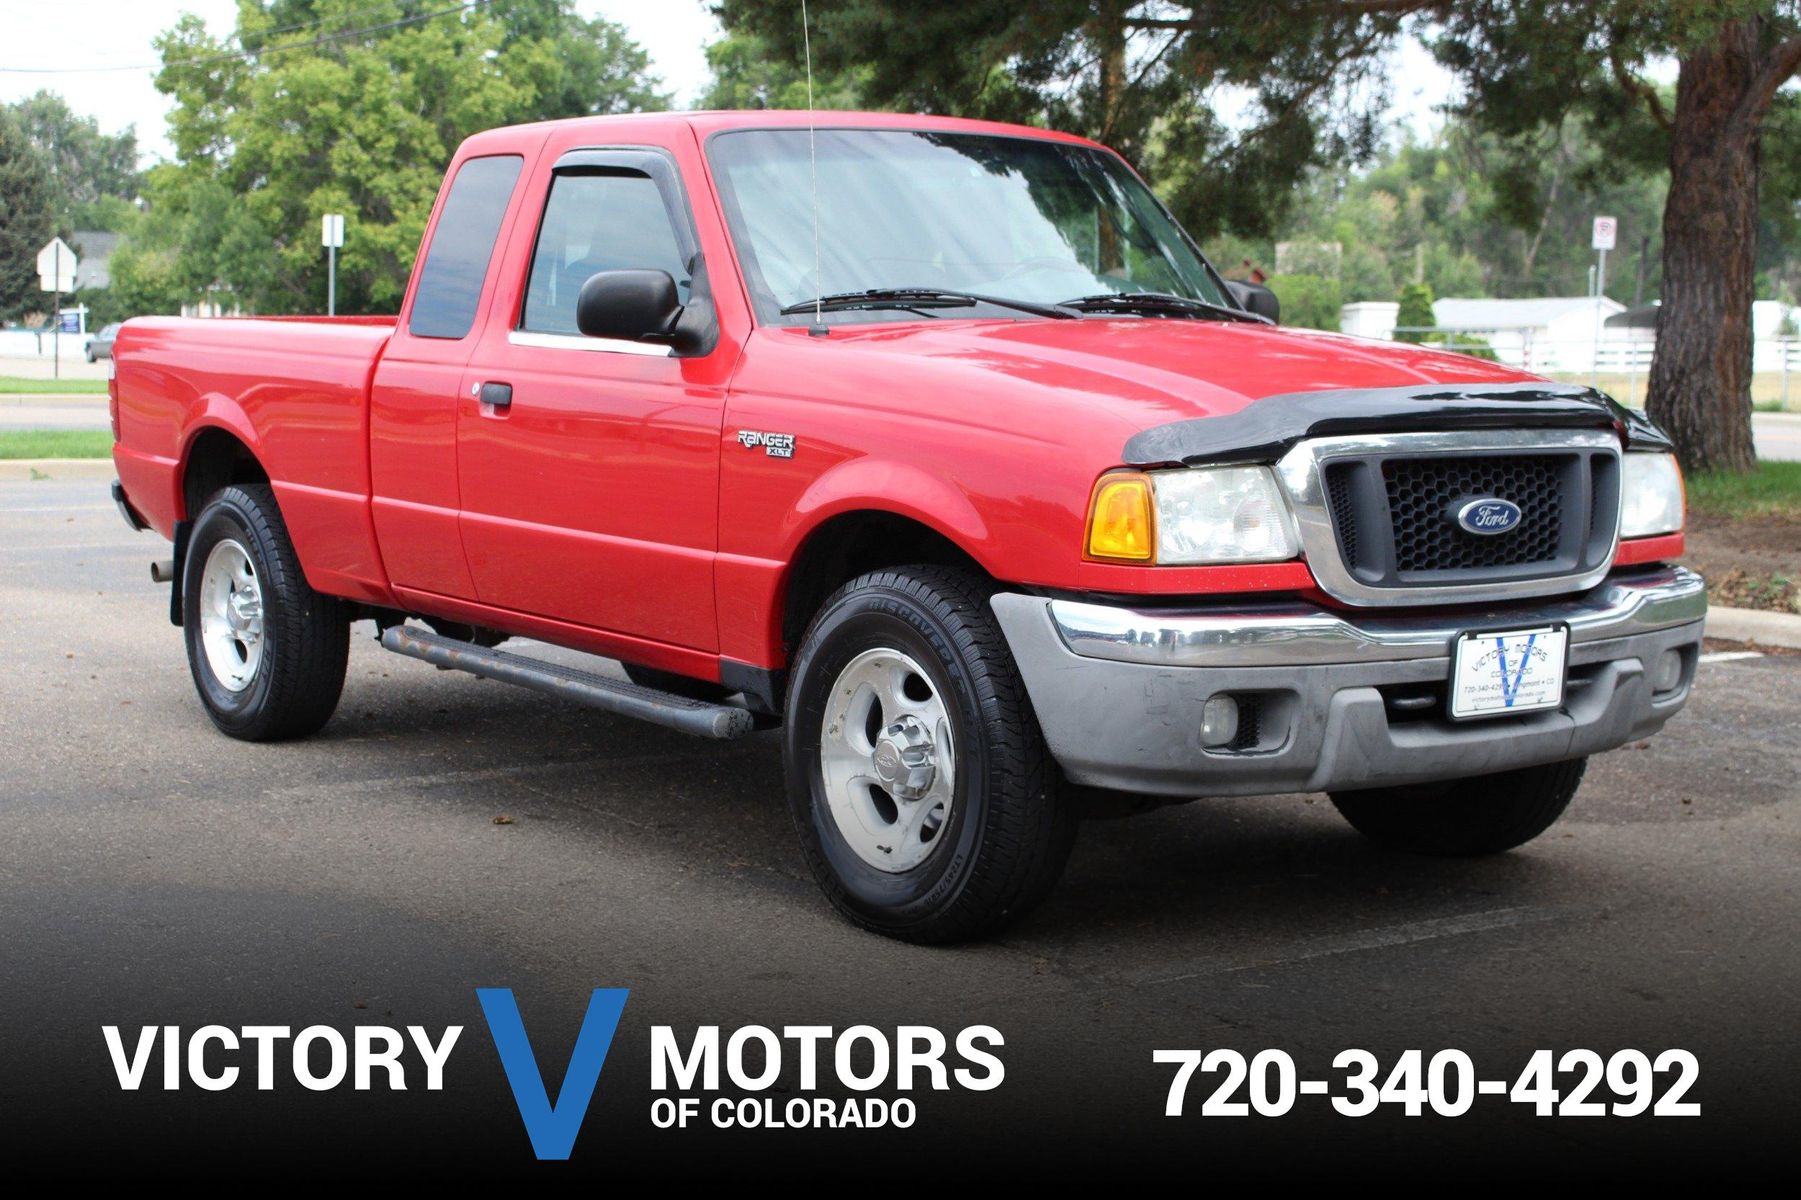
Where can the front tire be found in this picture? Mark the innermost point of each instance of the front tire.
(267, 652)
(1485, 814)
(925, 799)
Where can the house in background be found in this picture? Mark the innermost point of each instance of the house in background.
(1549, 334)
(1556, 333)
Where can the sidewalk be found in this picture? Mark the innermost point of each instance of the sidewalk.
(54, 412)
(1777, 436)
(74, 364)
(19, 470)
(1756, 626)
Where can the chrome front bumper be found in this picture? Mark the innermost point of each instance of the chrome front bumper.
(1340, 700)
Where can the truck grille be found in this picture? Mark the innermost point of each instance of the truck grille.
(1420, 490)
(1389, 514)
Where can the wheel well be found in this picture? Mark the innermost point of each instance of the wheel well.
(852, 544)
(216, 460)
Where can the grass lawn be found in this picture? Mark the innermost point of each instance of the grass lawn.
(1774, 489)
(17, 385)
(55, 443)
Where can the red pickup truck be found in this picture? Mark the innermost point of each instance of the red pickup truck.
(938, 444)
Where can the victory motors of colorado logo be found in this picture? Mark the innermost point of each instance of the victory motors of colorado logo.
(737, 1064)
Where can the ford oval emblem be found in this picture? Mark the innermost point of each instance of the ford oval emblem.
(1489, 515)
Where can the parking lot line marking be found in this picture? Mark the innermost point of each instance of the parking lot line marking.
(109, 547)
(1729, 656)
(1368, 939)
(6, 510)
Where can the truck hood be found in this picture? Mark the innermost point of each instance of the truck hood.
(1156, 389)
(1175, 369)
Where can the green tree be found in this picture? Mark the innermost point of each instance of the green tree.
(1474, 215)
(91, 172)
(1308, 300)
(351, 106)
(1141, 77)
(747, 76)
(1415, 315)
(1527, 63)
(1145, 77)
(27, 217)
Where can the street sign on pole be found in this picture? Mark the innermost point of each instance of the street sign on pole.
(56, 275)
(331, 236)
(1606, 232)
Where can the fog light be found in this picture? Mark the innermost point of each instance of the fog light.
(1669, 671)
(1219, 721)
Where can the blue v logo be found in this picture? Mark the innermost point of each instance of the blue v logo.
(552, 1128)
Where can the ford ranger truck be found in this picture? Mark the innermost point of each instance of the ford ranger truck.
(939, 445)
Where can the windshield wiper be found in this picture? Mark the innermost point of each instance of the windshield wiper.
(1158, 302)
(920, 297)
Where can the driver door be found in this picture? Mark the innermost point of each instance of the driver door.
(589, 467)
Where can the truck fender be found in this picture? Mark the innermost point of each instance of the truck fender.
(903, 489)
(217, 411)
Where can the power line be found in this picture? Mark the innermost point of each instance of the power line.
(202, 60)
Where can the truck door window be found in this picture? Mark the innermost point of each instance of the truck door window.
(450, 282)
(597, 221)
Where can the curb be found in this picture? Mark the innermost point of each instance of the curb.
(1755, 626)
(16, 470)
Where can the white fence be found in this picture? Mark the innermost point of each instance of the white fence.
(1622, 366)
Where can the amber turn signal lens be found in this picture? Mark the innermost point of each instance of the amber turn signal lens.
(1119, 523)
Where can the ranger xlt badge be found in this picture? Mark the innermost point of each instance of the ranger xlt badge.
(775, 445)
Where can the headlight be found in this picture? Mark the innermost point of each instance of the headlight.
(1650, 495)
(1199, 515)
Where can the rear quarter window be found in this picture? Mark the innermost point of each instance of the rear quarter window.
(456, 262)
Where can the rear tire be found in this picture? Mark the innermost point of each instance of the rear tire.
(926, 802)
(267, 652)
(1485, 814)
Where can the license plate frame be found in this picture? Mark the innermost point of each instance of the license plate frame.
(1475, 683)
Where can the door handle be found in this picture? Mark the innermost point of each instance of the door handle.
(496, 395)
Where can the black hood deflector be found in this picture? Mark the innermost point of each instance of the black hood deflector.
(1266, 429)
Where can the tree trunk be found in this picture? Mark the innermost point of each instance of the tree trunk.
(1107, 30)
(1700, 389)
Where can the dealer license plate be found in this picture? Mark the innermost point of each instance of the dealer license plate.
(1517, 671)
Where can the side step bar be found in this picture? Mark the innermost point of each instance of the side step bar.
(697, 717)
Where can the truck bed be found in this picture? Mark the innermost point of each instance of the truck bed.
(294, 390)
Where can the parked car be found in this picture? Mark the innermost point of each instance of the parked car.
(939, 445)
(101, 344)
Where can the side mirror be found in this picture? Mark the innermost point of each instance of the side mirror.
(1255, 298)
(635, 305)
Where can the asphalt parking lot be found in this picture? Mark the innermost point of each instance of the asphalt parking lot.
(155, 872)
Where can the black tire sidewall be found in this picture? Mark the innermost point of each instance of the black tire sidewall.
(228, 517)
(866, 620)
(1465, 818)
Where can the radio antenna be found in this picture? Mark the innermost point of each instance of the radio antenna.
(813, 169)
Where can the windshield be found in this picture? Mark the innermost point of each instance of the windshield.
(1006, 217)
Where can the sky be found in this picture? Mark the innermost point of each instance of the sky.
(54, 35)
(43, 42)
